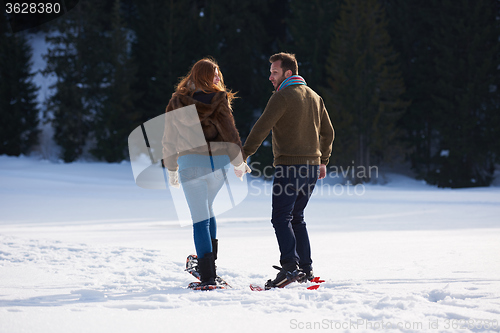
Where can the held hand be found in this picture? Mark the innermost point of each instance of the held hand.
(247, 168)
(173, 178)
(239, 174)
(322, 171)
(241, 169)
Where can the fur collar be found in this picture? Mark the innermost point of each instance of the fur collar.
(204, 110)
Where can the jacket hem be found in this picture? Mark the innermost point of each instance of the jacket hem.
(296, 160)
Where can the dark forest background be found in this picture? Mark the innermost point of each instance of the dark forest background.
(404, 81)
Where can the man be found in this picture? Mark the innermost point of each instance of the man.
(302, 138)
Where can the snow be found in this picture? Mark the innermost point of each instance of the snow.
(40, 48)
(46, 148)
(84, 249)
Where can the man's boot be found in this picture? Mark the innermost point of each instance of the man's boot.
(287, 274)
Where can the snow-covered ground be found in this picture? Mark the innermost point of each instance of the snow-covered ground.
(83, 249)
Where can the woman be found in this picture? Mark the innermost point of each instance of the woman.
(202, 169)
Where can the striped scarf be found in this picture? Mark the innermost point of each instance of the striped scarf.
(294, 79)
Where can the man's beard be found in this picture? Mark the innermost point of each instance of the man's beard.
(280, 81)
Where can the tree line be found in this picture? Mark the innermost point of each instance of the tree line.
(403, 80)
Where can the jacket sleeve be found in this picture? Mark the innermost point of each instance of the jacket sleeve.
(275, 108)
(169, 141)
(326, 136)
(226, 127)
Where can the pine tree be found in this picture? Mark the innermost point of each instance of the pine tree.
(18, 109)
(78, 59)
(275, 23)
(365, 87)
(411, 24)
(163, 49)
(237, 43)
(449, 53)
(467, 61)
(311, 24)
(117, 117)
(244, 40)
(172, 35)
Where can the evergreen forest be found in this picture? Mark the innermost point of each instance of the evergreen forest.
(408, 82)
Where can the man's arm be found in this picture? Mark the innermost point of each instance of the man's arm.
(272, 113)
(326, 136)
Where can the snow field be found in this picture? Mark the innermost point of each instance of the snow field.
(83, 249)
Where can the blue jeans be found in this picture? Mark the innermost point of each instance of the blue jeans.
(200, 186)
(293, 185)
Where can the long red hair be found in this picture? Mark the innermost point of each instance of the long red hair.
(201, 77)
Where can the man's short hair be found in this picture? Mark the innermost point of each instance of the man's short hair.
(288, 62)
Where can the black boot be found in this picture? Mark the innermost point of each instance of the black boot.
(287, 274)
(206, 268)
(215, 247)
(308, 276)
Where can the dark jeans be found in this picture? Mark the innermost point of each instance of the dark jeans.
(292, 187)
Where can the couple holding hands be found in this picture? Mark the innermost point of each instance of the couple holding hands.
(302, 138)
